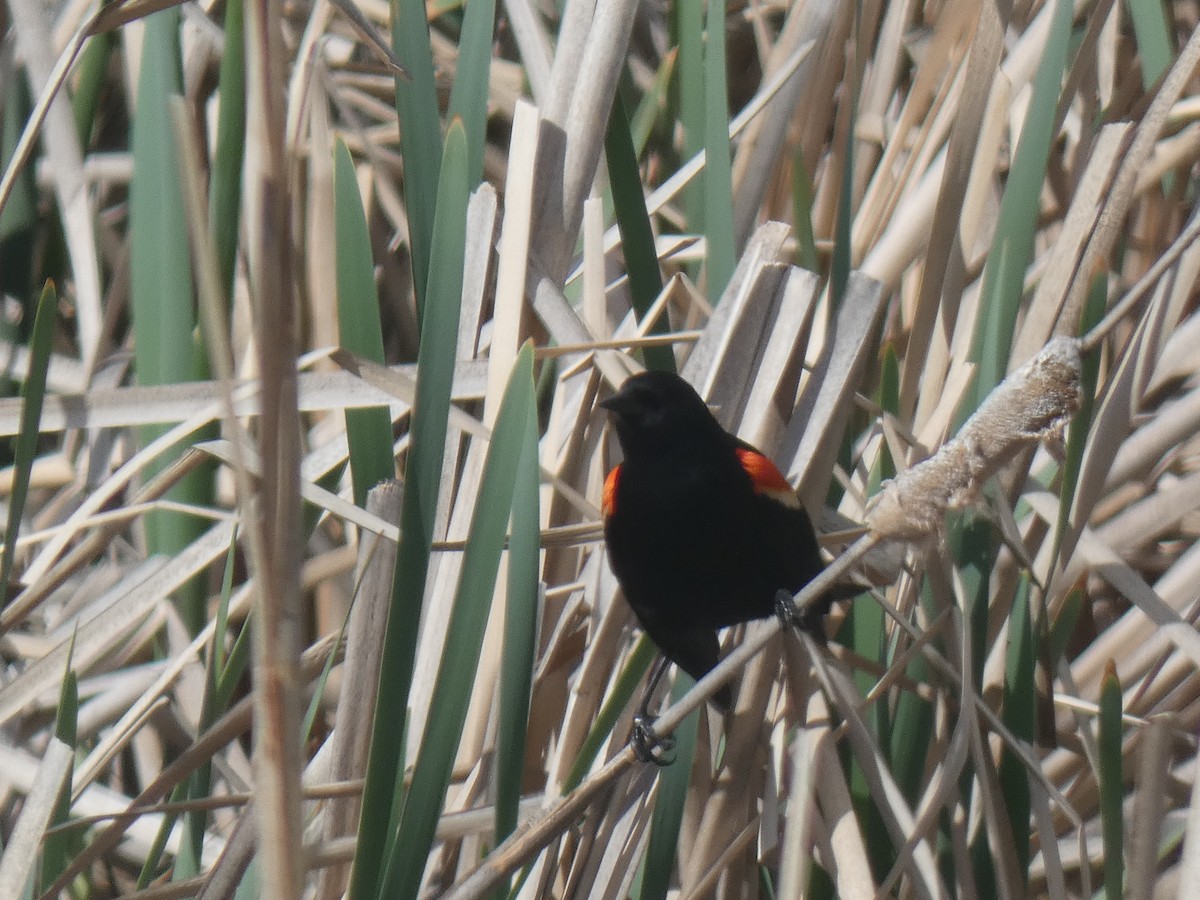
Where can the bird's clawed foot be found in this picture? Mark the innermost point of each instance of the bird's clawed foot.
(789, 615)
(648, 746)
(808, 619)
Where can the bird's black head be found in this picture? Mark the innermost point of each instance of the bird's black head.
(656, 410)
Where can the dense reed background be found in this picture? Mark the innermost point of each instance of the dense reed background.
(258, 257)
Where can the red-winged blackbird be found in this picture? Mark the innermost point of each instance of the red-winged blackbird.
(703, 531)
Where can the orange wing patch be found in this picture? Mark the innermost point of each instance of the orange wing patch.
(608, 502)
(765, 476)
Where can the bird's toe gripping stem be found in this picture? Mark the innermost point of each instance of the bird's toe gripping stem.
(648, 745)
(787, 612)
(808, 619)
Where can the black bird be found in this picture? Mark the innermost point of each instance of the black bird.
(703, 531)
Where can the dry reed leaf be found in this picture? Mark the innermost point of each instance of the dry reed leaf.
(904, 153)
(765, 247)
(320, 258)
(735, 364)
(848, 852)
(814, 434)
(944, 238)
(794, 855)
(1176, 421)
(112, 616)
(894, 809)
(1152, 760)
(770, 398)
(1189, 867)
(1047, 313)
(821, 26)
(21, 850)
(63, 148)
(606, 635)
(64, 375)
(595, 302)
(364, 638)
(313, 493)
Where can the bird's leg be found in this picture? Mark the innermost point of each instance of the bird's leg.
(647, 745)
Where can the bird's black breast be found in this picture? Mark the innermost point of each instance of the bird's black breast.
(695, 546)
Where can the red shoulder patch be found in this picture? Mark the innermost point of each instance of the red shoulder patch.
(766, 477)
(608, 501)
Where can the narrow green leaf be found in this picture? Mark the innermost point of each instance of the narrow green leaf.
(1064, 626)
(235, 665)
(1152, 31)
(215, 702)
(152, 863)
(911, 723)
(464, 636)
(217, 653)
(422, 475)
(820, 885)
(161, 262)
(19, 215)
(368, 431)
(907, 729)
(33, 392)
(637, 237)
(866, 632)
(469, 94)
(888, 398)
(420, 136)
(802, 205)
(867, 622)
(19, 218)
(225, 186)
(842, 261)
(1081, 422)
(161, 282)
(718, 173)
(668, 806)
(61, 847)
(1004, 271)
(975, 545)
(357, 297)
(1112, 788)
(520, 632)
(1020, 708)
(653, 103)
(92, 71)
(687, 18)
(67, 715)
(250, 887)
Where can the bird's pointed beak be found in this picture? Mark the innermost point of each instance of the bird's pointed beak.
(618, 403)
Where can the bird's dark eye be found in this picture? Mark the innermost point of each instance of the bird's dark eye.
(650, 401)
